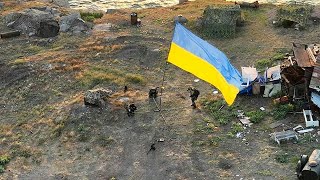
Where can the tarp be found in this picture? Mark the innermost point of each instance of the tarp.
(194, 55)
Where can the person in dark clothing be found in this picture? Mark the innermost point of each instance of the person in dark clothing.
(130, 109)
(153, 93)
(125, 89)
(194, 94)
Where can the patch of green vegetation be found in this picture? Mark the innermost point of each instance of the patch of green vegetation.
(90, 16)
(84, 133)
(280, 111)
(282, 158)
(98, 75)
(220, 111)
(3, 161)
(204, 128)
(236, 127)
(214, 141)
(278, 57)
(262, 64)
(18, 61)
(134, 78)
(265, 173)
(199, 143)
(256, 116)
(104, 141)
(18, 151)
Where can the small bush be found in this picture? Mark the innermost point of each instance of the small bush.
(4, 160)
(236, 127)
(256, 116)
(280, 111)
(214, 141)
(90, 16)
(262, 64)
(134, 78)
(278, 57)
(224, 115)
(282, 158)
(1, 169)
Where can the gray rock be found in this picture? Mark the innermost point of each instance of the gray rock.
(73, 23)
(180, 19)
(62, 3)
(28, 21)
(97, 97)
(49, 28)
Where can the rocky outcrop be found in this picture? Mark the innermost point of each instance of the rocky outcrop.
(48, 28)
(28, 21)
(97, 97)
(45, 22)
(73, 23)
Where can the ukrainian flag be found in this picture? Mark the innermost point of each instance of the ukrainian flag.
(194, 55)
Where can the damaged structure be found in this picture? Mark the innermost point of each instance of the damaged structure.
(220, 21)
(297, 16)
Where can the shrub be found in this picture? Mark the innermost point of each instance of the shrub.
(256, 116)
(90, 16)
(236, 127)
(224, 115)
(134, 78)
(281, 111)
(263, 63)
(282, 158)
(4, 160)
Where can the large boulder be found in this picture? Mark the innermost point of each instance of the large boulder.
(97, 97)
(28, 21)
(73, 23)
(48, 28)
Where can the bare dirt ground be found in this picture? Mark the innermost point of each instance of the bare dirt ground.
(48, 133)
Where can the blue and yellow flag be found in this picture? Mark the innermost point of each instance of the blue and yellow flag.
(194, 55)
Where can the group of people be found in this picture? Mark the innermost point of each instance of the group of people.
(131, 108)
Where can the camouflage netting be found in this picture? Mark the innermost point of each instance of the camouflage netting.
(298, 14)
(220, 21)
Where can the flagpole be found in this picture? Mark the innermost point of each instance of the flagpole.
(165, 68)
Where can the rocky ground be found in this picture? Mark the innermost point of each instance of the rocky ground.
(47, 132)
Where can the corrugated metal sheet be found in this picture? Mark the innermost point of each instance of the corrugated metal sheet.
(315, 98)
(301, 56)
(315, 79)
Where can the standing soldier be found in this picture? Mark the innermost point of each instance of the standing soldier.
(194, 93)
